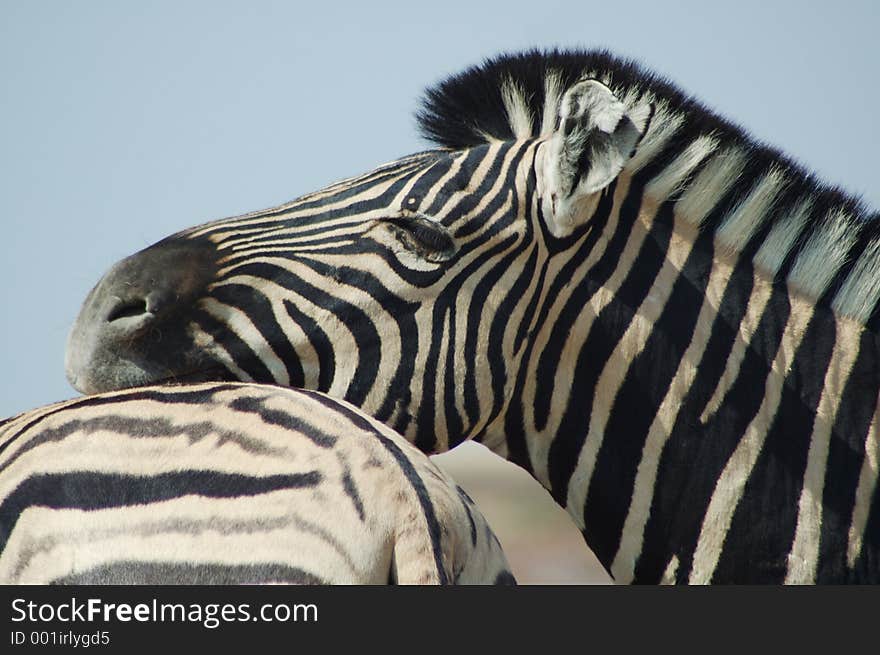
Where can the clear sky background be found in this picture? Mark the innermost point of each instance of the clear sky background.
(122, 122)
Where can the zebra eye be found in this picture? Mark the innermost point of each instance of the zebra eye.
(426, 237)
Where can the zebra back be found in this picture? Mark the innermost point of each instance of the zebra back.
(227, 484)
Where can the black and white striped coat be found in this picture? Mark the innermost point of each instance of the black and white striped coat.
(229, 484)
(673, 328)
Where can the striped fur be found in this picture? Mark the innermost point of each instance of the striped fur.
(690, 366)
(229, 484)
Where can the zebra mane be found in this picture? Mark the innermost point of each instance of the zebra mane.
(757, 201)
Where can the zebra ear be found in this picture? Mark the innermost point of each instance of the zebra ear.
(596, 136)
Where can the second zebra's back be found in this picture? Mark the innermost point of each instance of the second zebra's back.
(226, 484)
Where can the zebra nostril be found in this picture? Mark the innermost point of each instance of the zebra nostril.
(128, 309)
(135, 324)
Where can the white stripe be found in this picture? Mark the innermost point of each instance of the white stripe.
(732, 481)
(804, 555)
(824, 254)
(625, 352)
(240, 324)
(760, 296)
(711, 184)
(518, 113)
(668, 577)
(206, 342)
(552, 97)
(864, 491)
(218, 230)
(623, 567)
(785, 231)
(672, 178)
(454, 169)
(739, 226)
(539, 441)
(664, 125)
(859, 294)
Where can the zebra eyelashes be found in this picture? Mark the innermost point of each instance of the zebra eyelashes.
(424, 237)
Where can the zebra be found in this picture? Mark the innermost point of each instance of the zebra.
(229, 483)
(672, 327)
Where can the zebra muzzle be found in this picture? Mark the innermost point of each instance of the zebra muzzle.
(135, 314)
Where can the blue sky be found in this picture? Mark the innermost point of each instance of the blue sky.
(123, 122)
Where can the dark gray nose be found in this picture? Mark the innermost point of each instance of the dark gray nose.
(132, 328)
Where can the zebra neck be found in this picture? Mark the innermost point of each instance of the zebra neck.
(677, 394)
(822, 243)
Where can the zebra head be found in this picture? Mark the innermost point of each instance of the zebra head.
(409, 291)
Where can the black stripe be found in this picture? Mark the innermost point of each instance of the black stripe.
(402, 169)
(168, 394)
(459, 181)
(336, 245)
(635, 406)
(434, 528)
(564, 321)
(469, 202)
(426, 181)
(402, 312)
(531, 206)
(259, 310)
(350, 488)
(846, 454)
(426, 413)
(476, 313)
(608, 327)
(451, 386)
(500, 320)
(92, 490)
(319, 341)
(139, 428)
(514, 423)
(763, 526)
(684, 437)
(466, 503)
(361, 325)
(696, 454)
(409, 471)
(867, 564)
(238, 349)
(177, 573)
(297, 236)
(257, 405)
(593, 142)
